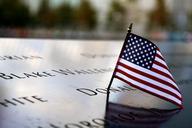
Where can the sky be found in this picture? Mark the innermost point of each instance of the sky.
(98, 3)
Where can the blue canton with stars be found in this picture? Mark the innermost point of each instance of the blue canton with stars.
(139, 51)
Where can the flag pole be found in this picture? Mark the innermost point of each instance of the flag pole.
(129, 29)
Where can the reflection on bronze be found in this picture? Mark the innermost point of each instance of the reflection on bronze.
(132, 117)
(125, 116)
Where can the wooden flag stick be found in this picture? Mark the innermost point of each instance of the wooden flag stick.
(130, 28)
(129, 31)
(111, 81)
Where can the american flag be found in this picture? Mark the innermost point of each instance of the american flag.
(142, 66)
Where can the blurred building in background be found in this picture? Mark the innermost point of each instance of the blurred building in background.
(96, 19)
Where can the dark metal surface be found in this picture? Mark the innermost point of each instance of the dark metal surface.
(62, 83)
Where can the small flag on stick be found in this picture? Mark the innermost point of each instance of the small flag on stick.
(142, 66)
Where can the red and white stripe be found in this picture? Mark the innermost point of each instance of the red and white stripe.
(157, 81)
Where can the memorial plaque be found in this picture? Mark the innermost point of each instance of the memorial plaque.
(63, 84)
